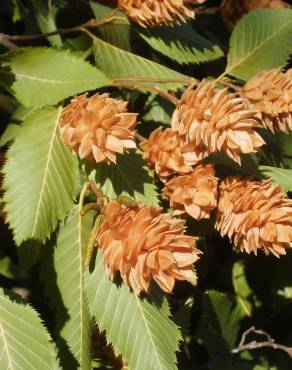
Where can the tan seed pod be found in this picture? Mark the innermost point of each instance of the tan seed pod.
(270, 93)
(170, 153)
(98, 127)
(215, 120)
(145, 244)
(233, 10)
(153, 13)
(255, 215)
(195, 193)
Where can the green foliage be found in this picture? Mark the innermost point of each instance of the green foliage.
(46, 176)
(52, 200)
(45, 13)
(117, 32)
(139, 329)
(242, 289)
(43, 76)
(280, 176)
(257, 39)
(130, 176)
(222, 320)
(116, 63)
(69, 255)
(182, 44)
(24, 341)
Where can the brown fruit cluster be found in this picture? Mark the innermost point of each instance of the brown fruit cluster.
(170, 153)
(255, 214)
(153, 13)
(270, 93)
(195, 193)
(98, 127)
(142, 243)
(215, 120)
(233, 10)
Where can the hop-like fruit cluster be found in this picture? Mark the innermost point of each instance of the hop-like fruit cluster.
(255, 214)
(216, 120)
(152, 13)
(170, 153)
(143, 243)
(98, 127)
(195, 193)
(270, 92)
(233, 10)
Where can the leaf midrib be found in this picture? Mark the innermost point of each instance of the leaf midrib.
(80, 282)
(49, 158)
(134, 56)
(41, 79)
(148, 331)
(234, 66)
(6, 349)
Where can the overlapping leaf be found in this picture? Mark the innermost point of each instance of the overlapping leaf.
(69, 258)
(43, 76)
(261, 40)
(45, 13)
(140, 331)
(129, 176)
(24, 341)
(182, 44)
(40, 177)
(280, 176)
(219, 327)
(118, 63)
(118, 31)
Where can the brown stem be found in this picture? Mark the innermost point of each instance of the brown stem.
(157, 89)
(92, 23)
(268, 342)
(6, 42)
(184, 81)
(140, 138)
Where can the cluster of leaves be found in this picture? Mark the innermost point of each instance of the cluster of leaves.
(43, 247)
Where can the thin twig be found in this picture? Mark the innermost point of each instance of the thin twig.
(140, 138)
(185, 80)
(173, 99)
(6, 40)
(244, 345)
(156, 89)
(268, 342)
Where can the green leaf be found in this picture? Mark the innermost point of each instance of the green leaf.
(118, 63)
(24, 341)
(182, 44)
(118, 31)
(182, 317)
(221, 322)
(140, 331)
(241, 288)
(45, 14)
(158, 110)
(285, 142)
(261, 40)
(8, 268)
(45, 76)
(40, 177)
(69, 256)
(280, 176)
(130, 176)
(9, 134)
